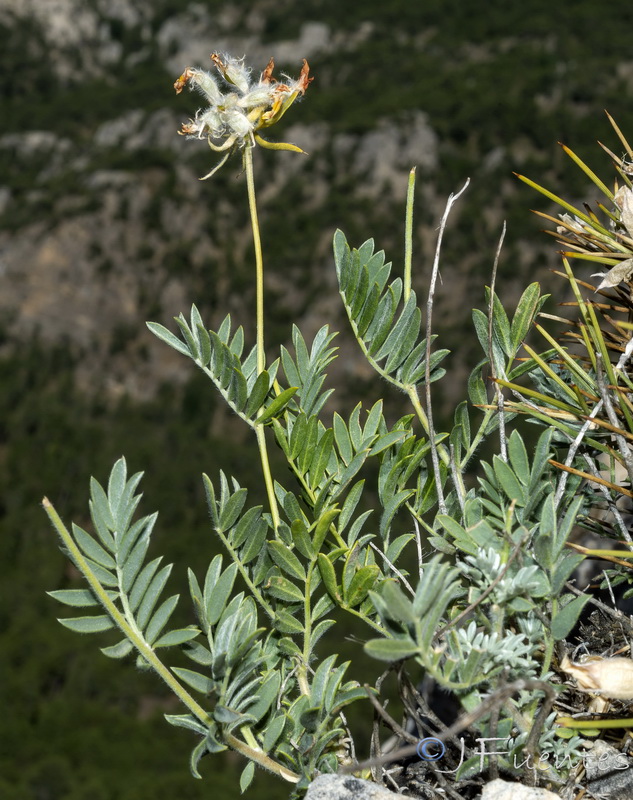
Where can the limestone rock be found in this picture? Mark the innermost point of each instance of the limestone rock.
(609, 773)
(503, 790)
(346, 787)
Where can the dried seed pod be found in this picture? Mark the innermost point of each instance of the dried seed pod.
(616, 275)
(608, 677)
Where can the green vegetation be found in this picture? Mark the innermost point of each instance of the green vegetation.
(539, 79)
(488, 609)
(51, 684)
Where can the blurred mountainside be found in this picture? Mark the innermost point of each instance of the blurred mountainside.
(104, 224)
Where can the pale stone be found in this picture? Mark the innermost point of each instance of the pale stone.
(346, 787)
(609, 772)
(503, 790)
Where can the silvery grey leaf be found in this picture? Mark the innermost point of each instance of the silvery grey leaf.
(616, 275)
(624, 199)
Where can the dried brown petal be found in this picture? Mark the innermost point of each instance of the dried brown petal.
(267, 74)
(217, 60)
(188, 128)
(304, 81)
(183, 80)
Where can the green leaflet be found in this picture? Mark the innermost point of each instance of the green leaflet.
(567, 617)
(151, 595)
(390, 649)
(276, 407)
(246, 778)
(529, 304)
(286, 560)
(79, 598)
(329, 577)
(177, 636)
(96, 624)
(120, 650)
(360, 585)
(285, 590)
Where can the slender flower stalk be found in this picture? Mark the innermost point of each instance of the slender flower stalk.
(232, 121)
(259, 314)
(259, 259)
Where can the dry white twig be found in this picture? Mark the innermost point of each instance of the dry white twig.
(499, 394)
(429, 315)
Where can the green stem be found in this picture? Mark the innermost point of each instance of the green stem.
(259, 757)
(412, 394)
(259, 259)
(548, 651)
(268, 479)
(261, 355)
(302, 671)
(409, 388)
(266, 607)
(419, 519)
(130, 630)
(408, 236)
(478, 438)
(367, 620)
(595, 724)
(312, 498)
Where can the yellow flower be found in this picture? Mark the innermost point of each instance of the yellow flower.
(234, 116)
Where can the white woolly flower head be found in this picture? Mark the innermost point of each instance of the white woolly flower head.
(240, 107)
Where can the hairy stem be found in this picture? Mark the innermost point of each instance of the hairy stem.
(259, 259)
(259, 598)
(302, 672)
(412, 394)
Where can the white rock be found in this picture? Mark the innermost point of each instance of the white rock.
(346, 787)
(502, 790)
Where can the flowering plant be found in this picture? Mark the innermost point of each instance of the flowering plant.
(468, 581)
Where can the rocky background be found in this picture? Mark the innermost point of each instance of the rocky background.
(104, 224)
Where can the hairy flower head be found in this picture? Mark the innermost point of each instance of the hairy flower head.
(238, 107)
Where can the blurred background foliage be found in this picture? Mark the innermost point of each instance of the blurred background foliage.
(89, 159)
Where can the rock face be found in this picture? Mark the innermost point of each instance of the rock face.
(106, 258)
(609, 772)
(104, 224)
(113, 226)
(103, 221)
